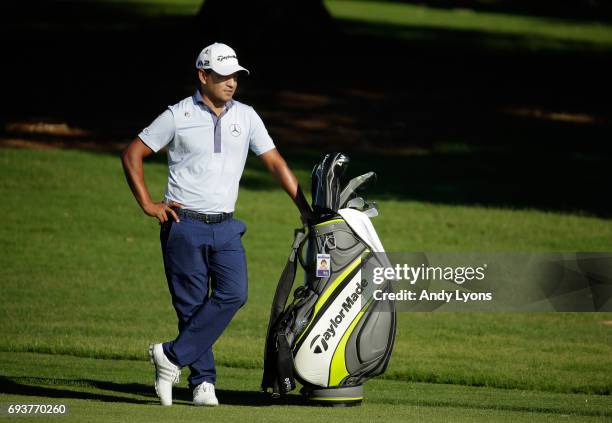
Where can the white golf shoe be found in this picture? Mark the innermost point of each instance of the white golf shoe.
(166, 373)
(204, 394)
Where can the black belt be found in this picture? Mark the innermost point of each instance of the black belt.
(208, 218)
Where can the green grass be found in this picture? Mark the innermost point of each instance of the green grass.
(406, 21)
(157, 8)
(420, 16)
(84, 293)
(496, 30)
(402, 20)
(110, 390)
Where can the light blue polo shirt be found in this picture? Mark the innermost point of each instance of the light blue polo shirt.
(206, 154)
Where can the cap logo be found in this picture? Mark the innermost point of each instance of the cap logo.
(222, 58)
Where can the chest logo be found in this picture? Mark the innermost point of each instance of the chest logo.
(187, 115)
(235, 129)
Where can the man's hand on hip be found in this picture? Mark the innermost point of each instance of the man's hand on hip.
(162, 210)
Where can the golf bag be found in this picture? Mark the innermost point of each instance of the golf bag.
(332, 337)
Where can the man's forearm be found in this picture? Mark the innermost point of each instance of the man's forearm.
(134, 173)
(290, 184)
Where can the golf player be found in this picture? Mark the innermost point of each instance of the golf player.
(208, 136)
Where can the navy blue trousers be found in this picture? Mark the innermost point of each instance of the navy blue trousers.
(206, 270)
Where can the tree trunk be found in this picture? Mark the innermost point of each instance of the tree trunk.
(268, 28)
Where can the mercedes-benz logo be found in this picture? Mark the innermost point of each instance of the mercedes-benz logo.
(235, 129)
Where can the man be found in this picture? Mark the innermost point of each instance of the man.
(208, 136)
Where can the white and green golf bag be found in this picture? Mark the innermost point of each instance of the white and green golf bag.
(333, 336)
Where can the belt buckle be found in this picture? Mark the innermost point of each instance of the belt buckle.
(213, 218)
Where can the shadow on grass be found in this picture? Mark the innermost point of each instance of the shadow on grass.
(568, 182)
(31, 386)
(13, 386)
(472, 40)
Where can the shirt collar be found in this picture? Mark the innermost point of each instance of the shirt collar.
(198, 99)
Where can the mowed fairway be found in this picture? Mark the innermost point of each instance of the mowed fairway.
(84, 293)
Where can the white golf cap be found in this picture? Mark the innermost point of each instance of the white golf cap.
(219, 57)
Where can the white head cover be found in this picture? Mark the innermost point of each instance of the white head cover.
(360, 223)
(219, 57)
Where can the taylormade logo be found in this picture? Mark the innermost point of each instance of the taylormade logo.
(334, 322)
(222, 58)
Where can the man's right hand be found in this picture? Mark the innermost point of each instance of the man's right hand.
(161, 211)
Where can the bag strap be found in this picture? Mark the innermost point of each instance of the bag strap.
(283, 289)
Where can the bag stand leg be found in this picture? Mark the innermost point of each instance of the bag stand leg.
(334, 397)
